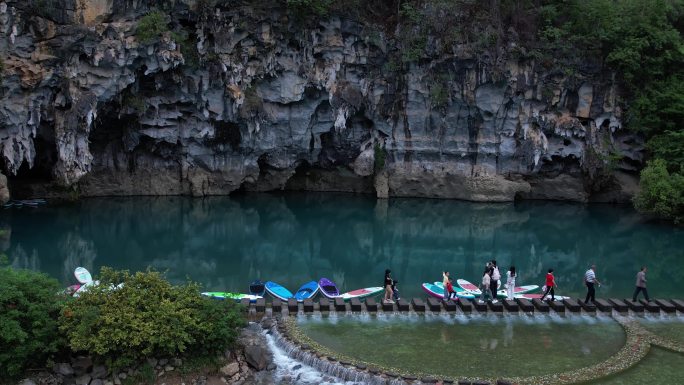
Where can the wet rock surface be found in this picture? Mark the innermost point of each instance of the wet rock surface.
(253, 100)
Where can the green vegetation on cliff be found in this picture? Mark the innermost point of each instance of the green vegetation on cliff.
(662, 192)
(641, 40)
(151, 27)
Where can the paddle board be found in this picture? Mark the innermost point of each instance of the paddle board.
(518, 290)
(362, 293)
(72, 289)
(460, 293)
(85, 287)
(538, 296)
(467, 286)
(82, 275)
(229, 295)
(328, 288)
(432, 290)
(278, 291)
(306, 291)
(257, 288)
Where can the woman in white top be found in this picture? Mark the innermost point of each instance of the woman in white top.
(510, 282)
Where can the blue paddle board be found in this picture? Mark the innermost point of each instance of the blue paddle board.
(308, 290)
(278, 291)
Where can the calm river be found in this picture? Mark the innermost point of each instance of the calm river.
(225, 242)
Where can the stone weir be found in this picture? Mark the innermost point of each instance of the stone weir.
(279, 320)
(624, 307)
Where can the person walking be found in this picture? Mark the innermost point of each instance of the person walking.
(445, 282)
(641, 284)
(496, 276)
(388, 286)
(510, 282)
(486, 282)
(550, 285)
(449, 292)
(590, 280)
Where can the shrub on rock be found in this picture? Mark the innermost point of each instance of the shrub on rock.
(130, 317)
(29, 309)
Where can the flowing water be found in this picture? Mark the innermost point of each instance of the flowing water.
(225, 242)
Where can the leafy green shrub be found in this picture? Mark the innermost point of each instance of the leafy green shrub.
(662, 192)
(130, 317)
(151, 27)
(669, 147)
(29, 309)
(187, 47)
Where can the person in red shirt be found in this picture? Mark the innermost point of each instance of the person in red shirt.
(449, 290)
(550, 285)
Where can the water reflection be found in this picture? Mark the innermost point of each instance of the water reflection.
(224, 242)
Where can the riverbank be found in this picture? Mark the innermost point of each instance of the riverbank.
(250, 362)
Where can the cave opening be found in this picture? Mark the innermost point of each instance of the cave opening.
(226, 134)
(30, 181)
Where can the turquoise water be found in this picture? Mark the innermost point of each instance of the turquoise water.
(491, 346)
(225, 242)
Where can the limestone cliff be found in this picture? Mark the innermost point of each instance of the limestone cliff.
(236, 96)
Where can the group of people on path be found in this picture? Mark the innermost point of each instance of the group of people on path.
(590, 281)
(490, 284)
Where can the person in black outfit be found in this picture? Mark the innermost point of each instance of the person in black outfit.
(389, 282)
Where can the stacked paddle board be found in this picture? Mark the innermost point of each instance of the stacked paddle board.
(229, 295)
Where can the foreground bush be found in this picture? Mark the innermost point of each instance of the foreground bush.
(29, 309)
(128, 318)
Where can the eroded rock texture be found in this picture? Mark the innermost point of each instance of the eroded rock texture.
(246, 97)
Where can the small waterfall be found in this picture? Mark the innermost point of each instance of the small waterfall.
(303, 367)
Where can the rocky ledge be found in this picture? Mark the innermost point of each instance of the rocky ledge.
(249, 97)
(250, 363)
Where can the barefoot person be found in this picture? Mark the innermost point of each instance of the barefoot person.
(550, 285)
(486, 282)
(641, 284)
(590, 280)
(445, 282)
(496, 276)
(510, 282)
(388, 286)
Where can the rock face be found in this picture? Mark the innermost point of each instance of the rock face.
(257, 353)
(4, 191)
(250, 98)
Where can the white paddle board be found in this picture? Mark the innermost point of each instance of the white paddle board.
(82, 275)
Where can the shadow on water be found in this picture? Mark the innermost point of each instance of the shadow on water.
(224, 242)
